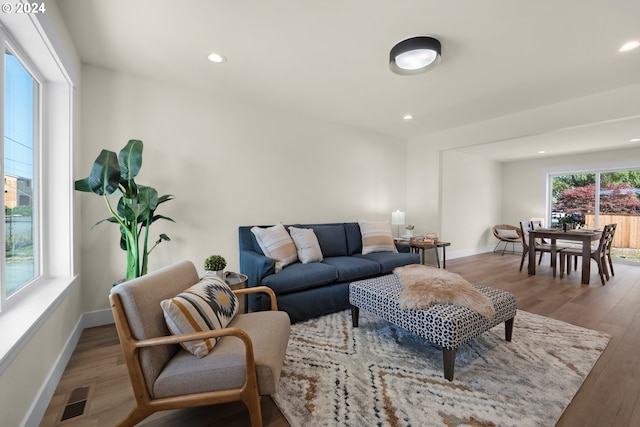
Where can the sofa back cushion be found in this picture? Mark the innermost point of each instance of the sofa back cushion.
(332, 239)
(354, 238)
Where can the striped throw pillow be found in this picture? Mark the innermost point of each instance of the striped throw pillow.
(276, 244)
(208, 305)
(376, 237)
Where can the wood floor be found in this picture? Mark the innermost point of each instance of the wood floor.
(609, 396)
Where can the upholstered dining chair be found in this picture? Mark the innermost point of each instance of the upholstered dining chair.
(601, 255)
(553, 250)
(506, 233)
(243, 364)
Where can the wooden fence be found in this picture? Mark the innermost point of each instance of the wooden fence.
(627, 231)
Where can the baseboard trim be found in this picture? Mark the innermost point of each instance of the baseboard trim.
(41, 403)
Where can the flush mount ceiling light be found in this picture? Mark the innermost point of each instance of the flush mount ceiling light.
(414, 56)
(216, 58)
(629, 46)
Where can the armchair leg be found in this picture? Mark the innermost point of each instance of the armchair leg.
(255, 411)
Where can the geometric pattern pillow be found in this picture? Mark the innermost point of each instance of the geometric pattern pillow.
(376, 237)
(276, 244)
(307, 244)
(208, 305)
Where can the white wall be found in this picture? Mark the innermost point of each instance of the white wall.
(471, 201)
(525, 182)
(228, 164)
(430, 207)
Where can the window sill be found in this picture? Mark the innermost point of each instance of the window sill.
(22, 320)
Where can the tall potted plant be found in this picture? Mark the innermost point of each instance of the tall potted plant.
(113, 174)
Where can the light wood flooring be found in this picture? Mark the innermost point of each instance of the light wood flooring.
(608, 397)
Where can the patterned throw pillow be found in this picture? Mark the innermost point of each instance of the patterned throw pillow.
(307, 244)
(276, 244)
(208, 305)
(376, 237)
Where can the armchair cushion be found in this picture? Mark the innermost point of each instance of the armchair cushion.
(209, 304)
(224, 367)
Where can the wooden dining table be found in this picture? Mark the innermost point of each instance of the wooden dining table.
(553, 234)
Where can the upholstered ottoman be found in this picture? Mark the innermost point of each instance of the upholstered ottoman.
(445, 325)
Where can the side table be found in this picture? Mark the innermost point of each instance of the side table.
(237, 281)
(420, 247)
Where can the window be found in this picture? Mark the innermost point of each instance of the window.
(21, 130)
(598, 198)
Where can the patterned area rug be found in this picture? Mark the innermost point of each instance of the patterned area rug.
(381, 375)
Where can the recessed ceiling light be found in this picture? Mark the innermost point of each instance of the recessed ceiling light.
(541, 152)
(216, 57)
(629, 46)
(634, 140)
(407, 117)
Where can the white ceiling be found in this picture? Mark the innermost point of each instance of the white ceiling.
(329, 59)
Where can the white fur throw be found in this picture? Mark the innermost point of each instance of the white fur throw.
(425, 286)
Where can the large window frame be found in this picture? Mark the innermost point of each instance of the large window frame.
(38, 40)
(7, 300)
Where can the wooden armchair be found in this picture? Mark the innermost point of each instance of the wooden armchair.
(244, 364)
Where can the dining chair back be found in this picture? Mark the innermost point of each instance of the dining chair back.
(551, 249)
(601, 255)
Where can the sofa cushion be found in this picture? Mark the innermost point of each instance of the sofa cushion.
(354, 238)
(390, 260)
(298, 276)
(332, 239)
(353, 268)
(276, 244)
(209, 304)
(307, 244)
(376, 236)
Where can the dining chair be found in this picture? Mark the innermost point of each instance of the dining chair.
(601, 255)
(553, 250)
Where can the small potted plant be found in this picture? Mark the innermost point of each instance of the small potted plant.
(410, 228)
(216, 263)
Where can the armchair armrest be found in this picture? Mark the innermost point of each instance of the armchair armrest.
(257, 289)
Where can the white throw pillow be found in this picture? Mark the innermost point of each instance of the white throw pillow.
(307, 244)
(508, 234)
(276, 244)
(376, 237)
(208, 305)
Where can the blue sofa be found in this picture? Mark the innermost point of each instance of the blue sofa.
(314, 289)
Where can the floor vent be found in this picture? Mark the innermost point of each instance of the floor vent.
(76, 404)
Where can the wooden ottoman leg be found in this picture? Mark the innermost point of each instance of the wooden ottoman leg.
(449, 361)
(355, 314)
(508, 329)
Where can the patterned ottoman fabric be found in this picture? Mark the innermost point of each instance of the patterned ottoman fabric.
(446, 325)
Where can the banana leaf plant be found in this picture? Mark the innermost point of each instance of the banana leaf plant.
(113, 174)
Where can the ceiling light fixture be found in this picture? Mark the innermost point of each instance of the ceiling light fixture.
(216, 57)
(634, 140)
(629, 46)
(415, 55)
(407, 117)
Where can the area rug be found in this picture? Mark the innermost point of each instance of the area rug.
(381, 375)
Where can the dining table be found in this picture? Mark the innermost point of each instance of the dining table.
(586, 236)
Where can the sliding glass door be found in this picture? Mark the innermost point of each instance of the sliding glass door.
(574, 200)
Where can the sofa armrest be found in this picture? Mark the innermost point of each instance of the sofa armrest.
(256, 266)
(403, 247)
